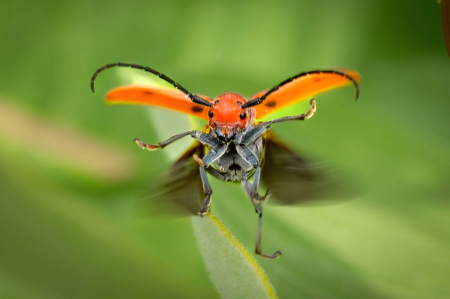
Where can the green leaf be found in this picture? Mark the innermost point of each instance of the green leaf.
(233, 270)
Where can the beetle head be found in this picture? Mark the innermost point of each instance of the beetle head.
(227, 117)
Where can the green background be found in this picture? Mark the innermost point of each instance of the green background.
(70, 173)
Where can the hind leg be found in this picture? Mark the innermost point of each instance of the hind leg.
(257, 200)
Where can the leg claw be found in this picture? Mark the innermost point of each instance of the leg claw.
(149, 146)
(275, 255)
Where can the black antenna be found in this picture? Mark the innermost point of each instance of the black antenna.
(259, 100)
(193, 98)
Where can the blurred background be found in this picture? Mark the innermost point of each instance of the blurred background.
(69, 170)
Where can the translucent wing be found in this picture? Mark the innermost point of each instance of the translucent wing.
(302, 88)
(292, 179)
(157, 96)
(180, 189)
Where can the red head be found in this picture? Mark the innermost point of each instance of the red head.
(227, 117)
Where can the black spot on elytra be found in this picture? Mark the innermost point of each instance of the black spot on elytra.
(271, 104)
(197, 109)
(147, 93)
(317, 79)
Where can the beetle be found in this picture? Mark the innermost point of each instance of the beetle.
(238, 147)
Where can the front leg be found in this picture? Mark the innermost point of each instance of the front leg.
(204, 138)
(256, 132)
(304, 116)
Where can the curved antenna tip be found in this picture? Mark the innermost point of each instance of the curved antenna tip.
(357, 92)
(92, 87)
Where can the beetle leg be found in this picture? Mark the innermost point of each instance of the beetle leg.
(247, 155)
(260, 199)
(214, 154)
(204, 138)
(304, 116)
(254, 133)
(276, 254)
(149, 146)
(207, 191)
(210, 157)
(215, 173)
(248, 189)
(257, 200)
(254, 191)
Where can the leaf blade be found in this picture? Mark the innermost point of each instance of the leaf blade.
(234, 272)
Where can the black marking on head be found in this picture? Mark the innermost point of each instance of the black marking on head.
(271, 104)
(197, 109)
(239, 103)
(216, 102)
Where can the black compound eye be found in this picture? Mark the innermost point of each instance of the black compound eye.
(243, 115)
(210, 114)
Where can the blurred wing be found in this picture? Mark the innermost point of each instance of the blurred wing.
(303, 88)
(292, 179)
(181, 187)
(157, 96)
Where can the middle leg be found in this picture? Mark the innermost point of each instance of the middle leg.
(256, 132)
(207, 191)
(210, 157)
